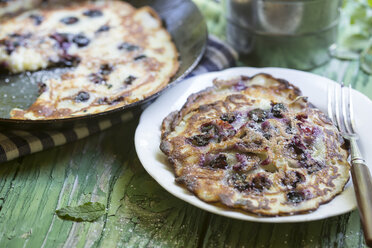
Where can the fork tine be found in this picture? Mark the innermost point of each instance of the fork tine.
(346, 109)
(351, 111)
(330, 103)
(337, 111)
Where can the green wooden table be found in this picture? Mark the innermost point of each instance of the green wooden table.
(105, 168)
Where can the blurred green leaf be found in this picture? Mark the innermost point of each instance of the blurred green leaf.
(88, 211)
(342, 53)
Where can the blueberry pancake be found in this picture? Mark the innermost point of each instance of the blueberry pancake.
(118, 55)
(254, 143)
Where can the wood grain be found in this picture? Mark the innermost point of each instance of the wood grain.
(102, 168)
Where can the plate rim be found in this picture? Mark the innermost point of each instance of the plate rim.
(215, 209)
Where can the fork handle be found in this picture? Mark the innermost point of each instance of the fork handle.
(363, 190)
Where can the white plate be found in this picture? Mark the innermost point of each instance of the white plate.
(147, 137)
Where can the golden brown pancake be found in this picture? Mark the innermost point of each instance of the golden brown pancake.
(254, 143)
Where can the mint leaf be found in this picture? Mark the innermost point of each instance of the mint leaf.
(89, 211)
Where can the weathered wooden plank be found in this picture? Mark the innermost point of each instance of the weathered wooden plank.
(342, 231)
(100, 168)
(142, 214)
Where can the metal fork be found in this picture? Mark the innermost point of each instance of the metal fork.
(340, 110)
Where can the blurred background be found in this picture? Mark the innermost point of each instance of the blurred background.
(295, 34)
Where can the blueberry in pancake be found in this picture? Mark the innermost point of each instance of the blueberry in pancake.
(255, 144)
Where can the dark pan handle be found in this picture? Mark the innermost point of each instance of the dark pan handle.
(363, 190)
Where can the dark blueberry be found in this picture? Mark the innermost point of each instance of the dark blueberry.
(93, 13)
(295, 197)
(297, 150)
(225, 133)
(127, 46)
(257, 115)
(38, 19)
(278, 110)
(199, 140)
(81, 40)
(261, 182)
(266, 161)
(245, 161)
(10, 46)
(239, 181)
(298, 143)
(63, 40)
(267, 136)
(129, 79)
(266, 126)
(106, 69)
(119, 99)
(16, 40)
(289, 130)
(312, 165)
(304, 129)
(103, 28)
(292, 178)
(209, 128)
(228, 117)
(243, 135)
(69, 20)
(42, 87)
(96, 78)
(68, 60)
(220, 162)
(103, 100)
(82, 96)
(140, 57)
(14, 35)
(20, 36)
(301, 117)
(255, 126)
(242, 161)
(61, 37)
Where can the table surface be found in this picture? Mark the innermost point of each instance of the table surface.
(105, 168)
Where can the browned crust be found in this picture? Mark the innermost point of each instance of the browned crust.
(175, 61)
(198, 186)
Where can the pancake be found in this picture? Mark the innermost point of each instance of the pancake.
(255, 144)
(118, 55)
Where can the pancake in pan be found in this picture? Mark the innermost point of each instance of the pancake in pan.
(119, 55)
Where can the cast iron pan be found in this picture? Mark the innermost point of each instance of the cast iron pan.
(184, 22)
